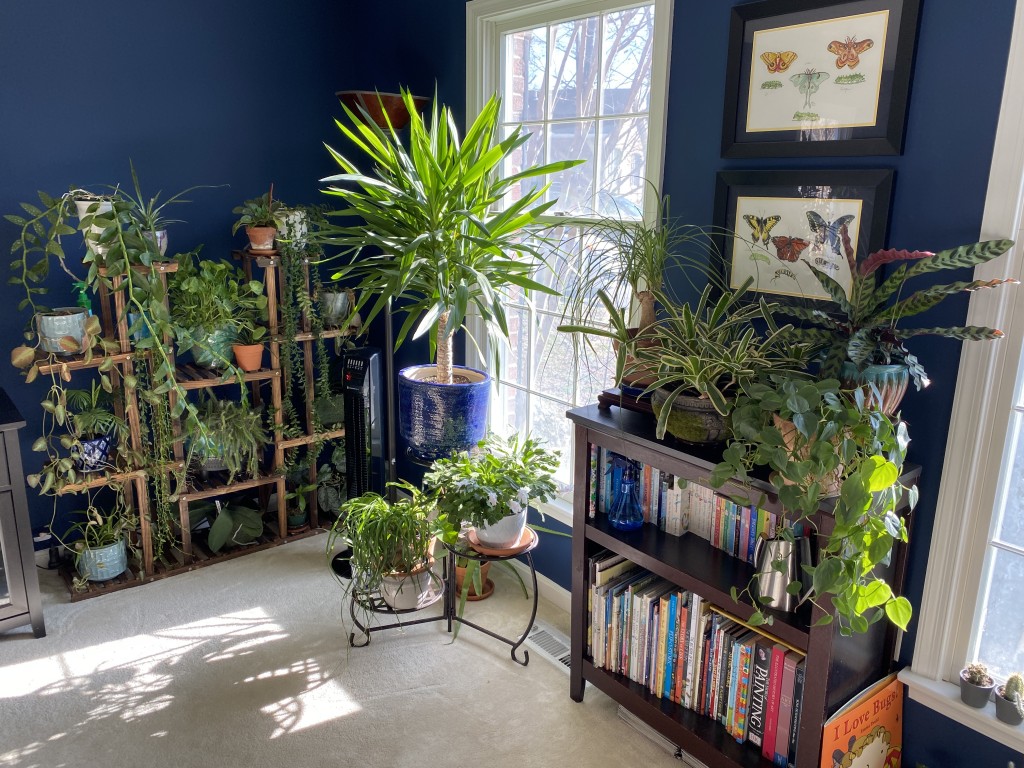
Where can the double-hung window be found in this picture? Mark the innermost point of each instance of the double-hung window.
(974, 585)
(588, 80)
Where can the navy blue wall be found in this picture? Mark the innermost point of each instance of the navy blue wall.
(238, 92)
(938, 199)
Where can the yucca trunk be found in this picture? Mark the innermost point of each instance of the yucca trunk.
(444, 350)
(647, 314)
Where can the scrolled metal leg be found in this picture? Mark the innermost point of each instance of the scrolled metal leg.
(533, 617)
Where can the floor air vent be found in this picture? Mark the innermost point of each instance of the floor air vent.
(549, 643)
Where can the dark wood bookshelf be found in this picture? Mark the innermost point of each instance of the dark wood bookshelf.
(836, 667)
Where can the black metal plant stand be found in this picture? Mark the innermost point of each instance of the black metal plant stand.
(373, 602)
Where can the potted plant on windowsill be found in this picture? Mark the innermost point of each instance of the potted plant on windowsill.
(864, 341)
(442, 237)
(840, 446)
(976, 685)
(260, 217)
(1010, 700)
(390, 545)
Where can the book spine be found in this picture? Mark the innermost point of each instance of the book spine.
(663, 485)
(593, 490)
(744, 528)
(798, 700)
(781, 756)
(662, 643)
(751, 533)
(732, 687)
(655, 639)
(682, 655)
(771, 715)
(758, 691)
(670, 646)
(743, 690)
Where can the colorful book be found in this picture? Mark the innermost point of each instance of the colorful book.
(771, 715)
(746, 644)
(762, 658)
(781, 756)
(594, 484)
(798, 700)
(869, 728)
(670, 646)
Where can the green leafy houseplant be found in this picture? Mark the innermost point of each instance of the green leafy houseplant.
(498, 480)
(440, 232)
(705, 351)
(236, 524)
(388, 540)
(95, 428)
(210, 301)
(228, 434)
(869, 328)
(263, 211)
(819, 441)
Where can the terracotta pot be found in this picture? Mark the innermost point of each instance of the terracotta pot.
(830, 484)
(248, 356)
(261, 239)
(635, 374)
(488, 585)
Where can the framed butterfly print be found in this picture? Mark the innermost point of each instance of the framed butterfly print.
(776, 224)
(818, 77)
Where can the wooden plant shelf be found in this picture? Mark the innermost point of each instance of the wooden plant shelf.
(192, 377)
(218, 487)
(101, 481)
(331, 434)
(78, 363)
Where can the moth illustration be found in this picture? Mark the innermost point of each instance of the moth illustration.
(789, 248)
(761, 226)
(808, 82)
(828, 230)
(778, 61)
(848, 53)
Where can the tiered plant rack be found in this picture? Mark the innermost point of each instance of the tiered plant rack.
(192, 553)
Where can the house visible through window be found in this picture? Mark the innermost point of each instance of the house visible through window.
(590, 85)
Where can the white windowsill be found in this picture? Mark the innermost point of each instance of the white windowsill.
(557, 509)
(944, 698)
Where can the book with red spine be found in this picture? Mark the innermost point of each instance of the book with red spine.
(771, 710)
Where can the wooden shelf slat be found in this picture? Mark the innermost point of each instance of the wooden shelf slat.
(190, 377)
(294, 442)
(223, 488)
(101, 481)
(77, 363)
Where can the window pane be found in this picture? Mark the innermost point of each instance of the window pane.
(595, 371)
(1011, 522)
(523, 94)
(574, 65)
(528, 155)
(1002, 626)
(623, 172)
(573, 188)
(559, 249)
(510, 410)
(550, 425)
(515, 358)
(552, 359)
(628, 41)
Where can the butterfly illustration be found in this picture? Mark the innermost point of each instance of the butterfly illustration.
(829, 231)
(789, 248)
(778, 61)
(761, 226)
(808, 83)
(848, 53)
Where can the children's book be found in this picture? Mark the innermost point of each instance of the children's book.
(867, 732)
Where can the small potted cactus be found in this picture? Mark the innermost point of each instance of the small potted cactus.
(976, 685)
(1010, 700)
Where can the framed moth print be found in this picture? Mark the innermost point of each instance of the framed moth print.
(818, 77)
(776, 225)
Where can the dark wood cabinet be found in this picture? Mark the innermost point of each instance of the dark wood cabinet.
(836, 667)
(19, 585)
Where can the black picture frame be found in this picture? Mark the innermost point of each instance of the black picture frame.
(767, 234)
(828, 73)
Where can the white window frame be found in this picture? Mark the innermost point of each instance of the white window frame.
(978, 432)
(488, 20)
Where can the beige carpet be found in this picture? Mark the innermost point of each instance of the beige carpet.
(246, 663)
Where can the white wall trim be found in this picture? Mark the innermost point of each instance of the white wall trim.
(550, 590)
(978, 426)
(944, 698)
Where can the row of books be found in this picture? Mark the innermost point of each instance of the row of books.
(677, 506)
(685, 650)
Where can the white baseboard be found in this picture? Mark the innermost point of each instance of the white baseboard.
(550, 590)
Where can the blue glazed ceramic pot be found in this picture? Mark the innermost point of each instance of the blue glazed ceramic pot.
(439, 420)
(95, 454)
(103, 563)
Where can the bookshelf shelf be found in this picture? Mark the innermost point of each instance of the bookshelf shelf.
(835, 667)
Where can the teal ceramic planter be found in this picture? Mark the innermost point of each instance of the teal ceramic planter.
(103, 563)
(891, 381)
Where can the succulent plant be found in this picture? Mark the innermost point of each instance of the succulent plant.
(1014, 691)
(977, 674)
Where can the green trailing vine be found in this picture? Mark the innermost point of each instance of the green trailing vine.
(156, 422)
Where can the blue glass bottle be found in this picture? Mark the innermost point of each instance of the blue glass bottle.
(626, 513)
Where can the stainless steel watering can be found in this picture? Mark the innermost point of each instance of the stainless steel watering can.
(776, 563)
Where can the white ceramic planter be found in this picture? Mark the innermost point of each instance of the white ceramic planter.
(503, 534)
(93, 232)
(410, 591)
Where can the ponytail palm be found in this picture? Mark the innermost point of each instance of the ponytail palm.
(440, 231)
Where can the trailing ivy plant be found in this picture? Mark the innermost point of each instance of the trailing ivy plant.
(811, 435)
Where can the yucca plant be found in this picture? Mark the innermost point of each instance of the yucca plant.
(440, 231)
(868, 326)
